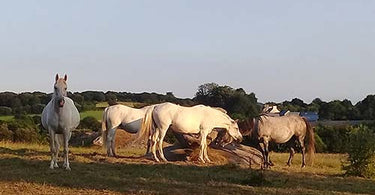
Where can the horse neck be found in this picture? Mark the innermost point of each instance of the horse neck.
(225, 121)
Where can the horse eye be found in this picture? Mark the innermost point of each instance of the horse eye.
(66, 88)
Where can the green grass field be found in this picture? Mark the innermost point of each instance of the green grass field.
(6, 118)
(24, 169)
(94, 113)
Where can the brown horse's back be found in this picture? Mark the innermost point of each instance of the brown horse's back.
(281, 129)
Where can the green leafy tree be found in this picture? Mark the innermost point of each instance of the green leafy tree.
(237, 102)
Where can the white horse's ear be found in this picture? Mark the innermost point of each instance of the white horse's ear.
(57, 77)
(236, 120)
(66, 77)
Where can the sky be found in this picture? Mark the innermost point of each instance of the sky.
(279, 50)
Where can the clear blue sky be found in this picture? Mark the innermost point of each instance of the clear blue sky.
(277, 49)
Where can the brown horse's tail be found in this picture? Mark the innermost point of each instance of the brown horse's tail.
(309, 142)
(147, 125)
(104, 128)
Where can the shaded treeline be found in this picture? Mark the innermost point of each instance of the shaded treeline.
(237, 102)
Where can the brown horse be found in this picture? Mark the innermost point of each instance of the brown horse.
(283, 129)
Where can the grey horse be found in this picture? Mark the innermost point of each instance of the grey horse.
(283, 129)
(60, 117)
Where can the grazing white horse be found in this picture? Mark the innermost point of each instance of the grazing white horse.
(60, 117)
(198, 119)
(123, 117)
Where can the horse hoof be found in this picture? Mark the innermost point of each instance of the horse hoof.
(68, 169)
(303, 166)
(156, 159)
(56, 166)
(51, 167)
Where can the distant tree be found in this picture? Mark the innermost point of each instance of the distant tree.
(337, 110)
(205, 90)
(298, 102)
(366, 107)
(235, 101)
(111, 98)
(77, 98)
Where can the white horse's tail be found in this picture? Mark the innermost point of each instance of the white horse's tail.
(104, 128)
(147, 126)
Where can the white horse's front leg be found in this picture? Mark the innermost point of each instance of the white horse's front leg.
(52, 149)
(66, 151)
(206, 153)
(203, 144)
(57, 148)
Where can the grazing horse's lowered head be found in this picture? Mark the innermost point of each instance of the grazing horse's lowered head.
(234, 131)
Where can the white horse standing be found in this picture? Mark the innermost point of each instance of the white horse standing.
(123, 117)
(60, 117)
(198, 119)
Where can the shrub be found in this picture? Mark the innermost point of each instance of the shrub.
(335, 138)
(5, 133)
(361, 151)
(90, 123)
(25, 135)
(5, 110)
(21, 129)
(320, 146)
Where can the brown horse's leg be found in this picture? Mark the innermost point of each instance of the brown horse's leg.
(301, 142)
(264, 146)
(291, 144)
(292, 152)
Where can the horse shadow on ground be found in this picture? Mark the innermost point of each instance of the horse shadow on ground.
(22, 152)
(166, 178)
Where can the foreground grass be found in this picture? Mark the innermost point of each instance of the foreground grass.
(25, 169)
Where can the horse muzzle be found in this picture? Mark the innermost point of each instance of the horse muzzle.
(61, 102)
(239, 139)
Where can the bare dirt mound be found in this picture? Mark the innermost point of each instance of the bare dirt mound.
(187, 150)
(240, 155)
(123, 138)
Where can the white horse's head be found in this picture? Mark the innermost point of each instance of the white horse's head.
(234, 131)
(60, 88)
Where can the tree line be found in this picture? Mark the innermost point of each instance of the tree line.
(237, 102)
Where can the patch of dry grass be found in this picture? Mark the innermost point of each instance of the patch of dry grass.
(24, 169)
